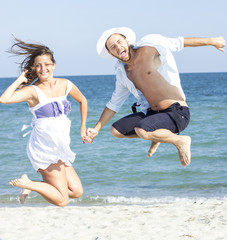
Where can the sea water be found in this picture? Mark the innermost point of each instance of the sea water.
(118, 171)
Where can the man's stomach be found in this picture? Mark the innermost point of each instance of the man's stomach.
(164, 104)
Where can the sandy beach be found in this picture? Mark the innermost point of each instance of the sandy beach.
(190, 220)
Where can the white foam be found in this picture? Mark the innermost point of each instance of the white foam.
(140, 201)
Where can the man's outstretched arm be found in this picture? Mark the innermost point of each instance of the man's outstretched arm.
(107, 114)
(218, 42)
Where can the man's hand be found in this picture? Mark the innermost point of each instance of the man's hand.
(91, 134)
(219, 43)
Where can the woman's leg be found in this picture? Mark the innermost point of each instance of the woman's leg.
(54, 188)
(75, 189)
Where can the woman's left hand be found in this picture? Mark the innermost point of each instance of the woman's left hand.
(83, 134)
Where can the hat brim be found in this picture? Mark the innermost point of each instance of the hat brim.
(101, 48)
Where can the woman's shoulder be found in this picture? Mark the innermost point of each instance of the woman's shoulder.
(64, 84)
(62, 81)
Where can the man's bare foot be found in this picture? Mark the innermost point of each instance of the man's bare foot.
(184, 151)
(153, 148)
(22, 182)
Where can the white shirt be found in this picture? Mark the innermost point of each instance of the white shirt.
(168, 69)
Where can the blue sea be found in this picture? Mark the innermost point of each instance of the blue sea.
(118, 171)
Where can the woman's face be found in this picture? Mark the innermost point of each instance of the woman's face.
(43, 66)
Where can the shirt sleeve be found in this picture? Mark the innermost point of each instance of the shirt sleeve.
(119, 95)
(157, 41)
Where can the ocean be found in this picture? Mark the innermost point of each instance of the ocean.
(118, 171)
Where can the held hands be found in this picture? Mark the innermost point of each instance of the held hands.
(88, 135)
(219, 43)
(91, 133)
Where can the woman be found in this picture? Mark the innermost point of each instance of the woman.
(48, 146)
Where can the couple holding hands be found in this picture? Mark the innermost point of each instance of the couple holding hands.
(145, 68)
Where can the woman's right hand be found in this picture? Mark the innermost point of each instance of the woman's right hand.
(22, 77)
(11, 95)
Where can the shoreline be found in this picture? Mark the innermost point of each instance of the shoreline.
(35, 199)
(170, 221)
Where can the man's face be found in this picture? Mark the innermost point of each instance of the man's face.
(118, 47)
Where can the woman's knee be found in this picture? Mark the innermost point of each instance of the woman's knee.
(61, 202)
(77, 193)
(73, 194)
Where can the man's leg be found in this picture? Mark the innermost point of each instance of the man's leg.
(125, 128)
(160, 127)
(153, 148)
(182, 143)
(117, 134)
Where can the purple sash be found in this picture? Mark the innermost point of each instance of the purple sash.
(53, 109)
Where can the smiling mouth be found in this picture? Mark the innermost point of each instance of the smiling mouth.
(123, 53)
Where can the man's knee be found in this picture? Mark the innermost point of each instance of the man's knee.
(116, 133)
(142, 133)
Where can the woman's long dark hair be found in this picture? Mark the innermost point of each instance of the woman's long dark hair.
(30, 51)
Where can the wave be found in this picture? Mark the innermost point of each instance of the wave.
(109, 200)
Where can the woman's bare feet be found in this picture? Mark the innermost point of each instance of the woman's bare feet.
(23, 194)
(22, 182)
(184, 151)
(153, 148)
(25, 183)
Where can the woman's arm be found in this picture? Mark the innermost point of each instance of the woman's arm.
(12, 95)
(218, 42)
(80, 98)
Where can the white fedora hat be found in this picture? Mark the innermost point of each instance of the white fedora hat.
(127, 32)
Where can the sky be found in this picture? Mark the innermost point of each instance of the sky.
(71, 28)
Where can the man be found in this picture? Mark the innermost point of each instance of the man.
(148, 70)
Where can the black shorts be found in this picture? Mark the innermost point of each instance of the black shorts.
(175, 118)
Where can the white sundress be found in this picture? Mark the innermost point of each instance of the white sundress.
(49, 141)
